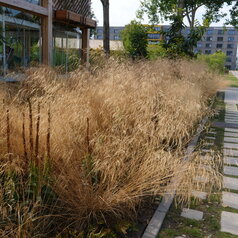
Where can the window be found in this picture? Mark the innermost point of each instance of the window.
(208, 52)
(150, 42)
(116, 31)
(229, 53)
(208, 45)
(231, 38)
(231, 32)
(116, 37)
(230, 46)
(209, 38)
(219, 46)
(153, 36)
(219, 38)
(196, 51)
(209, 32)
(199, 45)
(157, 28)
(228, 59)
(99, 37)
(220, 32)
(228, 67)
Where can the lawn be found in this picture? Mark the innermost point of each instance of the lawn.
(232, 79)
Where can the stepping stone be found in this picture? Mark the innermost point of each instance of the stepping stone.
(230, 183)
(229, 222)
(201, 179)
(231, 170)
(231, 120)
(208, 144)
(230, 139)
(200, 195)
(231, 161)
(230, 145)
(230, 134)
(231, 114)
(206, 151)
(231, 117)
(206, 167)
(212, 132)
(230, 152)
(205, 157)
(230, 200)
(210, 138)
(192, 214)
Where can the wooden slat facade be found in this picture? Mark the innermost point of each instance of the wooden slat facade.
(74, 18)
(82, 7)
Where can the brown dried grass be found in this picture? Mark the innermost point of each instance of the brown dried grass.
(114, 136)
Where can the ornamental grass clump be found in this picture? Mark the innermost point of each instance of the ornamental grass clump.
(94, 145)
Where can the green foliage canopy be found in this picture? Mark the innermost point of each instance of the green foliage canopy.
(176, 11)
(159, 10)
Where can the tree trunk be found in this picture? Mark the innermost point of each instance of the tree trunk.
(180, 13)
(106, 27)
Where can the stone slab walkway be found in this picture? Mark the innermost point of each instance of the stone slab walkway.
(229, 220)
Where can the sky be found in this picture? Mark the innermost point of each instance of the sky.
(123, 11)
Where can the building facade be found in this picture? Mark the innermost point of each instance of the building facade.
(50, 32)
(154, 35)
(215, 39)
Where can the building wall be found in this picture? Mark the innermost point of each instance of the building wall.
(97, 44)
(215, 39)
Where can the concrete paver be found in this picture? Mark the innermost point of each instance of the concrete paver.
(210, 138)
(230, 145)
(230, 200)
(199, 194)
(230, 134)
(231, 139)
(230, 183)
(231, 170)
(231, 160)
(230, 152)
(229, 222)
(192, 214)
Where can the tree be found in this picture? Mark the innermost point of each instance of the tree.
(234, 15)
(106, 27)
(134, 38)
(177, 11)
(159, 10)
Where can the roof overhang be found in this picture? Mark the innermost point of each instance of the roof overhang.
(74, 18)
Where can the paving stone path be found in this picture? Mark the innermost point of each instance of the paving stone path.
(229, 220)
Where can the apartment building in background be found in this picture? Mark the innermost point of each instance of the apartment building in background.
(215, 39)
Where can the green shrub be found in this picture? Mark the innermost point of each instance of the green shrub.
(216, 61)
(156, 51)
(134, 38)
